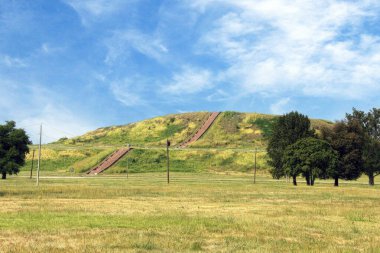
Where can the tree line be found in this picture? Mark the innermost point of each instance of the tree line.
(345, 151)
(13, 148)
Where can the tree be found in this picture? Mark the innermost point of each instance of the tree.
(311, 157)
(346, 137)
(286, 130)
(13, 148)
(371, 157)
(370, 123)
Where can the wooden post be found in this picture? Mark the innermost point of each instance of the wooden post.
(168, 160)
(31, 169)
(254, 177)
(39, 158)
(129, 149)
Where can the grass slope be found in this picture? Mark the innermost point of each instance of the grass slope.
(230, 130)
(243, 130)
(151, 132)
(62, 159)
(184, 160)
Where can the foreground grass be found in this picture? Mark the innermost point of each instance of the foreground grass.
(196, 212)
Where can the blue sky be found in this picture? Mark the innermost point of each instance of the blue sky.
(76, 65)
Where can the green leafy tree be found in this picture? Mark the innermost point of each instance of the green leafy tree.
(311, 157)
(371, 157)
(13, 148)
(287, 130)
(346, 137)
(370, 123)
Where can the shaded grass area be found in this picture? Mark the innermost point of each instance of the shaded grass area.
(234, 129)
(196, 212)
(244, 130)
(187, 160)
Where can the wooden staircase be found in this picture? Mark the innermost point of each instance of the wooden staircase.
(206, 125)
(109, 161)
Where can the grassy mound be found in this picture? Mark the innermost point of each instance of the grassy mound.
(231, 130)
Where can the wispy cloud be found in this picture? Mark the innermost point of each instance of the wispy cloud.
(33, 104)
(47, 48)
(189, 80)
(57, 121)
(219, 96)
(91, 10)
(306, 47)
(281, 106)
(12, 62)
(127, 92)
(122, 42)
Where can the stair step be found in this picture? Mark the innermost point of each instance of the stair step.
(206, 125)
(109, 161)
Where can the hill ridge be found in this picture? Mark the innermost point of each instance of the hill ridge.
(230, 129)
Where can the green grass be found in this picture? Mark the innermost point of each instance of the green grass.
(188, 161)
(265, 124)
(243, 130)
(233, 130)
(184, 160)
(151, 132)
(230, 130)
(197, 212)
(65, 160)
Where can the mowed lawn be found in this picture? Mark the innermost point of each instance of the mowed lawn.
(195, 213)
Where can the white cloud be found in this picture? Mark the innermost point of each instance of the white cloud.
(127, 92)
(92, 10)
(314, 48)
(12, 62)
(47, 48)
(120, 44)
(189, 81)
(219, 96)
(32, 104)
(57, 122)
(281, 106)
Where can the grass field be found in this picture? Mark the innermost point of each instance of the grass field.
(195, 213)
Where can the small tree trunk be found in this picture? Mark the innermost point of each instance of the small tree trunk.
(371, 178)
(295, 180)
(4, 175)
(336, 183)
(307, 179)
(312, 181)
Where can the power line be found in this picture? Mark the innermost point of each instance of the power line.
(29, 125)
(62, 131)
(202, 149)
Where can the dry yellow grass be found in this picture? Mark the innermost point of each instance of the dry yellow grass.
(195, 213)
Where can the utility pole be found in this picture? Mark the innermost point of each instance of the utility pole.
(129, 148)
(39, 158)
(31, 169)
(254, 176)
(168, 160)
